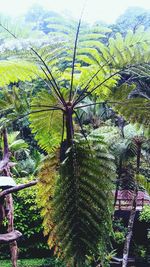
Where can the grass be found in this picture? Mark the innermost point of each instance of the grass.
(32, 263)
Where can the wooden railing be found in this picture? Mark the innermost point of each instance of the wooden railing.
(123, 204)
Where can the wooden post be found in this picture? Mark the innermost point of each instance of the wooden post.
(129, 233)
(5, 166)
(138, 141)
(119, 204)
(10, 217)
(9, 201)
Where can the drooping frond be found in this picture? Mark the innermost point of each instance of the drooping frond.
(122, 148)
(127, 179)
(13, 105)
(45, 193)
(44, 55)
(16, 143)
(128, 55)
(66, 29)
(144, 182)
(46, 121)
(135, 110)
(122, 51)
(14, 71)
(64, 58)
(82, 199)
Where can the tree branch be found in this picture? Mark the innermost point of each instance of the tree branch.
(17, 188)
(3, 164)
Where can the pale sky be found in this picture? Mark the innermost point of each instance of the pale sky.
(105, 10)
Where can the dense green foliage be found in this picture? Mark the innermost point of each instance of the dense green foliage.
(145, 214)
(76, 178)
(28, 221)
(49, 262)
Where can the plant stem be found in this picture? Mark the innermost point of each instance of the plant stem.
(69, 126)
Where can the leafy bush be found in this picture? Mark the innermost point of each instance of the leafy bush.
(140, 252)
(28, 221)
(145, 214)
(48, 262)
(102, 257)
(119, 237)
(120, 231)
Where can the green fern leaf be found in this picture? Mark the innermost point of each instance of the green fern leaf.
(45, 123)
(143, 181)
(14, 71)
(82, 198)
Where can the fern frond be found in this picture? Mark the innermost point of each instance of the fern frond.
(45, 193)
(135, 110)
(46, 124)
(14, 71)
(130, 54)
(82, 198)
(144, 182)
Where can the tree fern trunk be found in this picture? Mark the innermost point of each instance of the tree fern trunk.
(75, 264)
(69, 126)
(118, 182)
(130, 230)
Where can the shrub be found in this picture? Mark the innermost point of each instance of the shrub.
(145, 214)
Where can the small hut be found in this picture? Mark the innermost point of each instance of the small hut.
(125, 198)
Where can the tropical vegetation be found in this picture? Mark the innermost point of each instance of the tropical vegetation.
(76, 109)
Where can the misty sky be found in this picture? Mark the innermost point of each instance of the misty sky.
(105, 10)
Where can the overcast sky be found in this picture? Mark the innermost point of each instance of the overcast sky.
(105, 10)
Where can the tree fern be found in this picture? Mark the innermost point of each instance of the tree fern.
(81, 198)
(103, 70)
